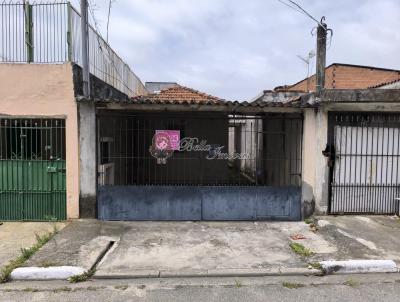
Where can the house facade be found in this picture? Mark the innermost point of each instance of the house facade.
(167, 152)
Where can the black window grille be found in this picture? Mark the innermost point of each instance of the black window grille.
(216, 149)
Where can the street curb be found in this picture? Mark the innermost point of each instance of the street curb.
(210, 273)
(359, 266)
(46, 273)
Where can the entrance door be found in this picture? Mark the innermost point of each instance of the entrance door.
(364, 155)
(32, 169)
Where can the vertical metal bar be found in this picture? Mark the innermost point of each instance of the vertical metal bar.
(338, 184)
(387, 120)
(397, 163)
(391, 195)
(69, 31)
(29, 32)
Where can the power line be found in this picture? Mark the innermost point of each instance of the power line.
(301, 10)
(288, 5)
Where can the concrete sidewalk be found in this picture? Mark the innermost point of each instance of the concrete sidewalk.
(361, 237)
(155, 249)
(171, 249)
(17, 235)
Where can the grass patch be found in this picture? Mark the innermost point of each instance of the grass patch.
(316, 265)
(29, 289)
(82, 277)
(238, 283)
(121, 287)
(309, 220)
(300, 249)
(291, 285)
(62, 289)
(351, 282)
(26, 253)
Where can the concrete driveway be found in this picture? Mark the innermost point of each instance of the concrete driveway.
(150, 249)
(192, 247)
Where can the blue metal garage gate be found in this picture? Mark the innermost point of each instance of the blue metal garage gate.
(199, 166)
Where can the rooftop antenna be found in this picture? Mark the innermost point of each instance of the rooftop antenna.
(307, 60)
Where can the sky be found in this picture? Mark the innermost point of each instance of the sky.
(235, 49)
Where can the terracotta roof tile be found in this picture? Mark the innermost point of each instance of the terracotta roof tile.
(179, 95)
(385, 83)
(346, 76)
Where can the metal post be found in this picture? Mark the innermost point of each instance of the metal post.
(321, 56)
(85, 48)
(69, 31)
(28, 32)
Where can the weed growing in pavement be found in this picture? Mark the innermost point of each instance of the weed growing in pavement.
(29, 289)
(26, 253)
(351, 282)
(238, 283)
(315, 265)
(62, 289)
(82, 277)
(291, 285)
(300, 249)
(309, 220)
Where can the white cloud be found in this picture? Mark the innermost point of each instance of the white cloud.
(234, 48)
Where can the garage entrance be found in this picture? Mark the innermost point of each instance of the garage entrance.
(364, 151)
(199, 166)
(32, 169)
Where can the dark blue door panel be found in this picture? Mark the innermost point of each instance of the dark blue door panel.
(198, 203)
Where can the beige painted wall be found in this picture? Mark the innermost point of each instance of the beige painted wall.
(45, 91)
(309, 149)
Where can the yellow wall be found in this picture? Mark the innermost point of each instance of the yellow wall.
(45, 91)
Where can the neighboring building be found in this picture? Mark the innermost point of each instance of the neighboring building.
(347, 76)
(47, 164)
(350, 139)
(153, 87)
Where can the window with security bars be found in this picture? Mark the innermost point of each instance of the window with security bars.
(32, 139)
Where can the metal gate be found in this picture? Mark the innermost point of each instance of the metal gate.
(364, 151)
(215, 166)
(32, 169)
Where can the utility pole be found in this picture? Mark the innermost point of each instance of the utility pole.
(321, 56)
(85, 48)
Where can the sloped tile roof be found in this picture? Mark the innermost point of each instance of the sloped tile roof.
(347, 76)
(385, 83)
(179, 95)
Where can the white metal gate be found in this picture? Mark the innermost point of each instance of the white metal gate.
(365, 168)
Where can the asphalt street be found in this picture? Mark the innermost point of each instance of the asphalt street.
(371, 287)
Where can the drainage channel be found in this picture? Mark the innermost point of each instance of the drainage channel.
(102, 254)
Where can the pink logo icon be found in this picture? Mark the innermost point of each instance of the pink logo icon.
(164, 144)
